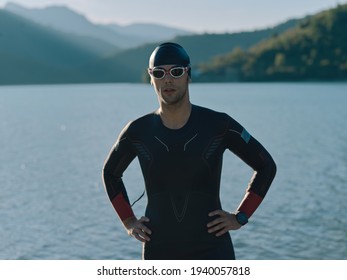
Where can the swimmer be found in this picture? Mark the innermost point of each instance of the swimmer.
(180, 148)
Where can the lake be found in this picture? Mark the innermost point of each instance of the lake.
(55, 138)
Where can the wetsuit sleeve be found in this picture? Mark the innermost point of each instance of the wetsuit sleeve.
(119, 158)
(247, 148)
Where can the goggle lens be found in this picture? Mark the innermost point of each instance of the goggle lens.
(177, 72)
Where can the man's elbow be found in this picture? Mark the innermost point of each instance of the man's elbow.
(273, 168)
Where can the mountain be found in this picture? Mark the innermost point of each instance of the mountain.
(149, 32)
(31, 53)
(314, 50)
(28, 47)
(201, 48)
(66, 20)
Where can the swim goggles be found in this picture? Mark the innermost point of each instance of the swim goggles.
(175, 72)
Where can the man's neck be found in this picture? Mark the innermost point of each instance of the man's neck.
(175, 116)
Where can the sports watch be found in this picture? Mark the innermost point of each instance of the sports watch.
(241, 218)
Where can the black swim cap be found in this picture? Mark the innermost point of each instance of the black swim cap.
(169, 53)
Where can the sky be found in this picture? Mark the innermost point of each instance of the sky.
(211, 16)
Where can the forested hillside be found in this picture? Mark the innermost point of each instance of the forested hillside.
(314, 50)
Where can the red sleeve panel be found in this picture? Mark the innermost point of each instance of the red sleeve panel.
(122, 207)
(250, 203)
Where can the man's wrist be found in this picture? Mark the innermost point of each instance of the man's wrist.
(129, 221)
(241, 217)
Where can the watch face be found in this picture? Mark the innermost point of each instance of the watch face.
(242, 218)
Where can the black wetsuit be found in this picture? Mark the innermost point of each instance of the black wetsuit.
(182, 172)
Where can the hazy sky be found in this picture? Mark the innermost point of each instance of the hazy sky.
(199, 15)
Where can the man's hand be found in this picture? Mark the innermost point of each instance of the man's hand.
(223, 223)
(137, 229)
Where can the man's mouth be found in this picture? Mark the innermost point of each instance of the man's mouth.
(169, 90)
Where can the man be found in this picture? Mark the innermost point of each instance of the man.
(180, 148)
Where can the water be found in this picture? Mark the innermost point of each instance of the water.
(54, 140)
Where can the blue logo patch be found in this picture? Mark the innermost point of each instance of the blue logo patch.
(245, 136)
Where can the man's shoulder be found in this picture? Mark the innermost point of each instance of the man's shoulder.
(141, 123)
(219, 120)
(144, 119)
(211, 114)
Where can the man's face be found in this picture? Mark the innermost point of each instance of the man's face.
(170, 90)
